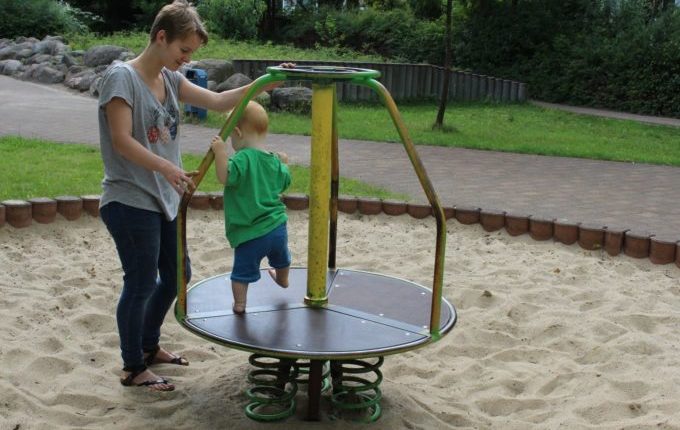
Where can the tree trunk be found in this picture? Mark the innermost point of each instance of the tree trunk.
(439, 122)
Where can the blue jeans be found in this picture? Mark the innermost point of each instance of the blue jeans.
(147, 247)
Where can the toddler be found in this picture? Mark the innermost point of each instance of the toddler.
(254, 215)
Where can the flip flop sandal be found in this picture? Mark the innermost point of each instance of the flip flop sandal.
(151, 358)
(127, 381)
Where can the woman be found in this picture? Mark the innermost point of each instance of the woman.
(144, 180)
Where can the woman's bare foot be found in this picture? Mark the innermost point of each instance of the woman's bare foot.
(159, 355)
(280, 276)
(146, 379)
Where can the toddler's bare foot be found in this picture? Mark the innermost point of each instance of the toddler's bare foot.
(278, 277)
(240, 291)
(239, 308)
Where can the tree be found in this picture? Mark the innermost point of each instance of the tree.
(426, 9)
(439, 122)
(657, 6)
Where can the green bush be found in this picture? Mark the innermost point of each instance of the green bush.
(236, 19)
(38, 18)
(395, 34)
(125, 15)
(618, 55)
(427, 9)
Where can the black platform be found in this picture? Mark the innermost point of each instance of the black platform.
(367, 315)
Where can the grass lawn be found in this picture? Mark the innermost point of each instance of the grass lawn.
(522, 128)
(38, 168)
(221, 48)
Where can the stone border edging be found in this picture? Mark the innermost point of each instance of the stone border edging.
(612, 239)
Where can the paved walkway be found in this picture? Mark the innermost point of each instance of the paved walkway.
(673, 122)
(641, 197)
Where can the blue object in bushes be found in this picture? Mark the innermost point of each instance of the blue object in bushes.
(200, 78)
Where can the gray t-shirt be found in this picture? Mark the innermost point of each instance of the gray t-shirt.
(155, 126)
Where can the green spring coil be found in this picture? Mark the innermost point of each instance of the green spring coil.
(355, 395)
(273, 396)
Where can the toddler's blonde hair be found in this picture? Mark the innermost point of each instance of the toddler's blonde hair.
(254, 119)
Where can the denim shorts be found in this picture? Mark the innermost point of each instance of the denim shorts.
(248, 255)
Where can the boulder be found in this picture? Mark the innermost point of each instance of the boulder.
(24, 53)
(50, 45)
(292, 99)
(94, 86)
(234, 81)
(80, 81)
(102, 55)
(10, 67)
(29, 40)
(48, 75)
(66, 59)
(217, 70)
(11, 51)
(39, 59)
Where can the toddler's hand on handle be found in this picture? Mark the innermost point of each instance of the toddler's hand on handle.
(218, 146)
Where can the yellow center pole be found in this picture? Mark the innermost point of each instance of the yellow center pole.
(319, 193)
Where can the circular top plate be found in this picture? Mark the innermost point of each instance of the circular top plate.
(324, 72)
(367, 315)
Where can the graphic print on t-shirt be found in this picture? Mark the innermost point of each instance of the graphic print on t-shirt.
(164, 126)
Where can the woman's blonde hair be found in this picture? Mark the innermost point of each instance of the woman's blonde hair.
(179, 19)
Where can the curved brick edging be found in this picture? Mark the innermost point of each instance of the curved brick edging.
(611, 239)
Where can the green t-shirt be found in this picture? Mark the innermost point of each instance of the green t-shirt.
(252, 207)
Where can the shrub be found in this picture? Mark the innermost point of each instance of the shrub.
(234, 19)
(38, 18)
(619, 55)
(395, 34)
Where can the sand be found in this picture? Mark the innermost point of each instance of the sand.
(549, 336)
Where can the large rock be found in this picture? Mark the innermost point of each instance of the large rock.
(94, 86)
(80, 81)
(102, 55)
(10, 67)
(292, 99)
(39, 59)
(22, 39)
(48, 75)
(217, 70)
(234, 81)
(50, 45)
(11, 51)
(66, 59)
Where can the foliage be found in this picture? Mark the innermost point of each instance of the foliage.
(386, 4)
(233, 18)
(221, 48)
(396, 34)
(39, 18)
(621, 55)
(426, 9)
(119, 15)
